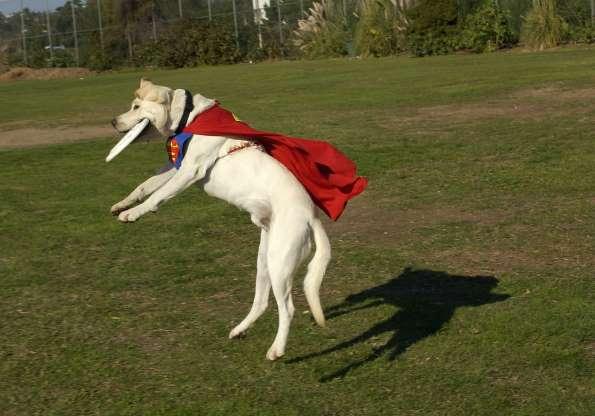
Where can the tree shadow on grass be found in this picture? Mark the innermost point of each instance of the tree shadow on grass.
(426, 300)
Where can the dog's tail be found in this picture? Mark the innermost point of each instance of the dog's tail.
(316, 269)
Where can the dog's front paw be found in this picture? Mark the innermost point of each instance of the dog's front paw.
(130, 215)
(119, 207)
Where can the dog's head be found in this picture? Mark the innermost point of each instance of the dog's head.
(166, 110)
(161, 105)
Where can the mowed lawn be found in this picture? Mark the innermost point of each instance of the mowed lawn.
(462, 280)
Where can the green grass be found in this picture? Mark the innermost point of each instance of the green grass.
(461, 283)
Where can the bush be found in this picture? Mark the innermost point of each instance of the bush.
(580, 34)
(487, 29)
(62, 59)
(575, 12)
(36, 58)
(376, 31)
(322, 33)
(433, 27)
(99, 61)
(431, 43)
(440, 30)
(542, 26)
(189, 44)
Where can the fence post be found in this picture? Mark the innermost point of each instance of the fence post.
(76, 40)
(23, 34)
(49, 28)
(279, 20)
(257, 11)
(235, 22)
(129, 38)
(100, 25)
(154, 24)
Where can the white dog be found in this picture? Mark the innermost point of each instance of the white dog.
(249, 179)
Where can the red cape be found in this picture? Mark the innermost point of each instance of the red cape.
(327, 174)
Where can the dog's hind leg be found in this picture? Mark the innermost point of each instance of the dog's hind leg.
(145, 189)
(286, 242)
(262, 289)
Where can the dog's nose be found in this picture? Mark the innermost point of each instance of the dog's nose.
(114, 122)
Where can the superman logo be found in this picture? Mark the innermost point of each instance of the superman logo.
(173, 150)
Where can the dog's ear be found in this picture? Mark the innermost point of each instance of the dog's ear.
(145, 82)
(151, 92)
(178, 103)
(144, 86)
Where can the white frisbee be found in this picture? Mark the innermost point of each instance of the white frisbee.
(128, 138)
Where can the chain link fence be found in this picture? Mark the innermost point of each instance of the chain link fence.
(71, 34)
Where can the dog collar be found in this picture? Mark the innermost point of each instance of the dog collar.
(188, 107)
(176, 148)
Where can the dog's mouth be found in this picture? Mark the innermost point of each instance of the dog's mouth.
(130, 136)
(150, 133)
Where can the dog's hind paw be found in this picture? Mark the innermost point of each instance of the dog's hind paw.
(237, 333)
(273, 353)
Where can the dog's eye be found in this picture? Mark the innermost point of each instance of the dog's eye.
(135, 107)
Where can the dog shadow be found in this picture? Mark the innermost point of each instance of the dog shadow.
(426, 300)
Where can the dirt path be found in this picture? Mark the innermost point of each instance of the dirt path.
(26, 137)
(21, 73)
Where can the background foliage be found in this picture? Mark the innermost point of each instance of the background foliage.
(145, 32)
(190, 44)
(543, 27)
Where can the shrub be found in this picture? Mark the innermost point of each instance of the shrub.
(516, 9)
(580, 34)
(433, 27)
(487, 29)
(322, 33)
(377, 29)
(575, 12)
(62, 59)
(542, 26)
(189, 44)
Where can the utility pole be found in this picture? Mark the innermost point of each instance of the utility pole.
(593, 12)
(154, 24)
(76, 40)
(180, 8)
(279, 20)
(100, 25)
(209, 6)
(23, 34)
(235, 22)
(258, 14)
(49, 28)
(129, 37)
(301, 8)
